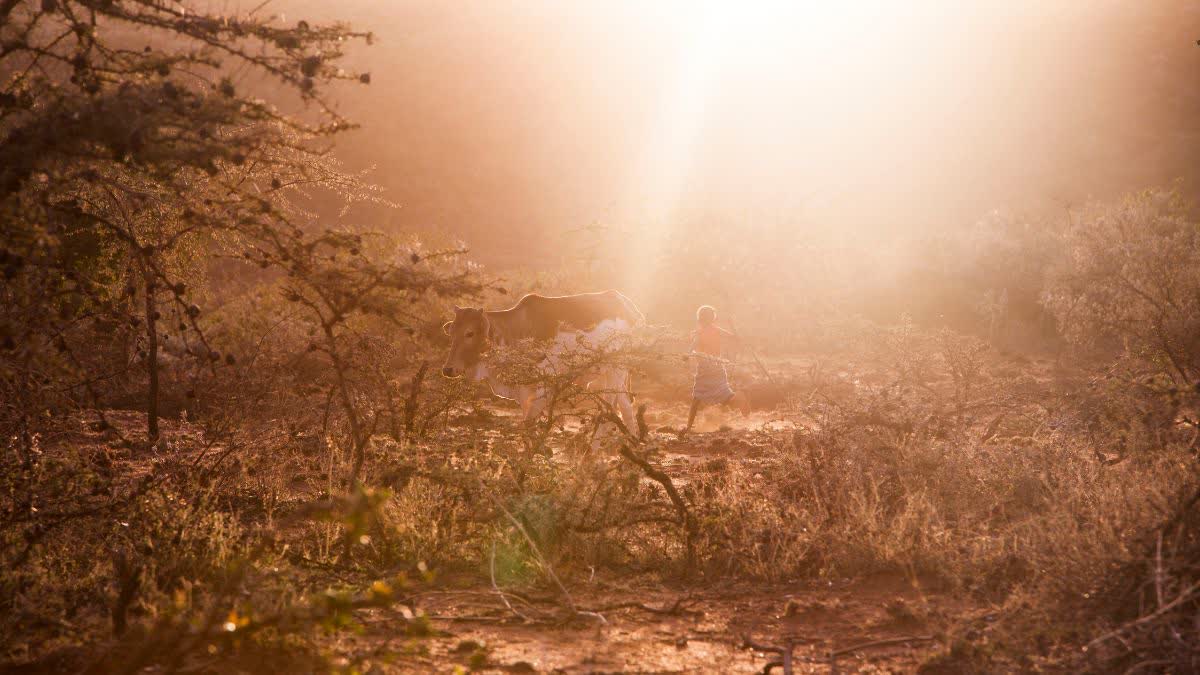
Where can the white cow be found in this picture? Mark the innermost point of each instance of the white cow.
(565, 324)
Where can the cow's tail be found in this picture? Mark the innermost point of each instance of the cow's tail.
(631, 313)
(636, 320)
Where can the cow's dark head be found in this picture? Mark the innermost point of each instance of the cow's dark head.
(468, 339)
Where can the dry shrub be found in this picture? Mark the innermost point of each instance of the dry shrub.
(1130, 282)
(166, 568)
(921, 475)
(749, 529)
(328, 451)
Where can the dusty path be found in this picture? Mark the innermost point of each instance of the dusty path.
(901, 621)
(885, 623)
(705, 634)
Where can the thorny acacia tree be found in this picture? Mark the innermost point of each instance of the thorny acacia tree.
(127, 156)
(341, 280)
(137, 150)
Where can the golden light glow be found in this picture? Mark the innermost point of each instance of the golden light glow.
(729, 55)
(514, 124)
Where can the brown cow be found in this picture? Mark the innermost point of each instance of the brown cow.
(592, 318)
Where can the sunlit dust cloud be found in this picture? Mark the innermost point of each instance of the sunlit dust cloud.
(512, 124)
(658, 181)
(733, 67)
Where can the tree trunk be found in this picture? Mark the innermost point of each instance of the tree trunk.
(358, 436)
(410, 406)
(151, 361)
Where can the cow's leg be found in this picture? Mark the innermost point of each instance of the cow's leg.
(692, 415)
(741, 402)
(624, 399)
(601, 386)
(615, 394)
(535, 402)
(524, 398)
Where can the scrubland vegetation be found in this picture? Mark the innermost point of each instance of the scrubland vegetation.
(226, 447)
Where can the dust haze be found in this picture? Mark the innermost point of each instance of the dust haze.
(511, 337)
(513, 125)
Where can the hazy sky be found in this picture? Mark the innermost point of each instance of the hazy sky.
(508, 123)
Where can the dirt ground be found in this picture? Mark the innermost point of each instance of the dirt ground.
(882, 624)
(879, 624)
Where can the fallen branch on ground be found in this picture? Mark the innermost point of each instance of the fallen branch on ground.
(790, 643)
(784, 652)
(883, 643)
(676, 609)
(1185, 595)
